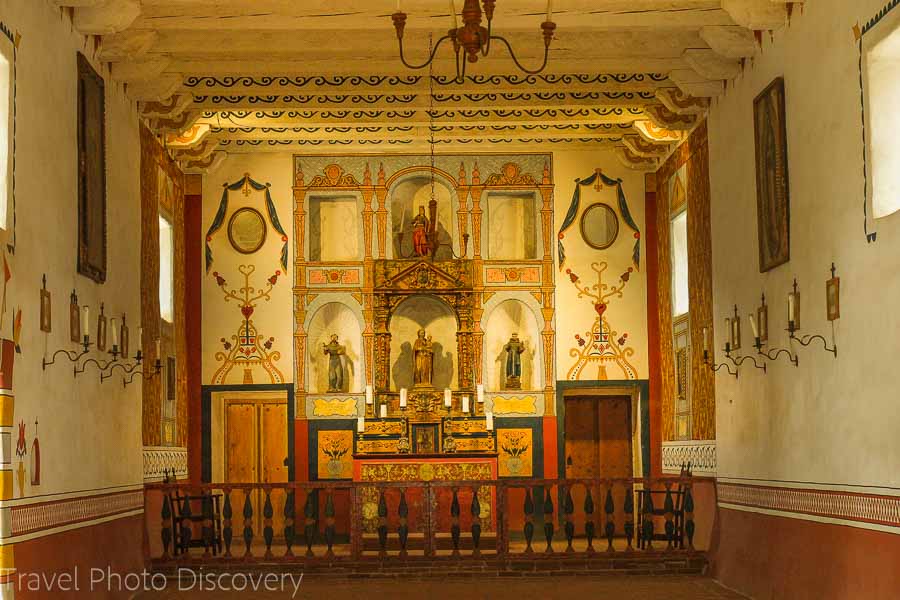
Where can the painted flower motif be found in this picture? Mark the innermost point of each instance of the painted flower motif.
(370, 510)
(581, 341)
(274, 278)
(220, 281)
(225, 343)
(572, 276)
(622, 340)
(268, 343)
(626, 275)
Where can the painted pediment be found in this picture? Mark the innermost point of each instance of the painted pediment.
(423, 275)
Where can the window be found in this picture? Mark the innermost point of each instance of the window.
(680, 290)
(883, 113)
(166, 270)
(7, 116)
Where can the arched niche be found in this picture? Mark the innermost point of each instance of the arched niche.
(510, 316)
(406, 196)
(334, 318)
(439, 321)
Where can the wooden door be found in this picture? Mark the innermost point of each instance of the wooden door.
(582, 435)
(273, 457)
(614, 450)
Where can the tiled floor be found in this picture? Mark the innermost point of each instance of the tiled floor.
(545, 588)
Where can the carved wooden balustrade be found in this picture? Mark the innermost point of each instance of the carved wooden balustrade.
(329, 522)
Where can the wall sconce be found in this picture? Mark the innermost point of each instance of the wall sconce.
(734, 325)
(760, 328)
(708, 360)
(123, 345)
(74, 355)
(138, 357)
(833, 312)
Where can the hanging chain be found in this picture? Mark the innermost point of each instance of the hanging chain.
(431, 112)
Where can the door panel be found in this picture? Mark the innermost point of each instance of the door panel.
(274, 451)
(615, 448)
(581, 453)
(241, 461)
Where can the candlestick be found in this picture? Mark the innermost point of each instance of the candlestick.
(453, 13)
(465, 404)
(370, 395)
(730, 332)
(753, 326)
(360, 424)
(85, 321)
(448, 398)
(402, 397)
(489, 421)
(479, 391)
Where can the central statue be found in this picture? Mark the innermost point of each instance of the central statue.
(423, 361)
(421, 225)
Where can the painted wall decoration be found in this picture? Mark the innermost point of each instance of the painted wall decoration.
(601, 346)
(35, 458)
(511, 405)
(772, 190)
(515, 447)
(247, 347)
(21, 451)
(335, 459)
(247, 186)
(333, 407)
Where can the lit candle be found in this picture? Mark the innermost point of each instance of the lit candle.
(448, 398)
(479, 390)
(549, 10)
(402, 397)
(115, 332)
(489, 421)
(85, 321)
(753, 326)
(465, 404)
(791, 307)
(706, 339)
(382, 411)
(453, 13)
(370, 395)
(360, 424)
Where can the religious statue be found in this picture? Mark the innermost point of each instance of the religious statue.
(420, 225)
(514, 349)
(333, 350)
(423, 360)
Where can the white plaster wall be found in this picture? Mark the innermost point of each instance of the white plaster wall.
(829, 420)
(576, 315)
(274, 317)
(90, 434)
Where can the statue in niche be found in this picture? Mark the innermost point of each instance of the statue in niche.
(333, 350)
(421, 227)
(423, 361)
(514, 349)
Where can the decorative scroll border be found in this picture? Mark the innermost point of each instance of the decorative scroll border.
(72, 513)
(158, 460)
(865, 510)
(701, 454)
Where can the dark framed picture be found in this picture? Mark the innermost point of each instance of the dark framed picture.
(772, 190)
(425, 438)
(91, 172)
(46, 317)
(833, 298)
(762, 322)
(74, 319)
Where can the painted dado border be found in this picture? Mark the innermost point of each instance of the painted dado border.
(33, 518)
(834, 505)
(700, 453)
(159, 459)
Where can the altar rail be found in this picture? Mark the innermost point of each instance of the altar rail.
(329, 522)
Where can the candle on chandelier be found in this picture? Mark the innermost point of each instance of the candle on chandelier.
(370, 395)
(115, 332)
(402, 397)
(706, 339)
(158, 349)
(753, 326)
(791, 307)
(85, 321)
(453, 14)
(360, 424)
(398, 5)
(549, 10)
(448, 398)
(489, 421)
(479, 392)
(465, 404)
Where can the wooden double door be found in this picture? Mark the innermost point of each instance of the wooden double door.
(256, 451)
(598, 444)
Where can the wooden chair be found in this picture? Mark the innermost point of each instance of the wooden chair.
(188, 510)
(658, 498)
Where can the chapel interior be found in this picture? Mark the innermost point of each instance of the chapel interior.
(450, 297)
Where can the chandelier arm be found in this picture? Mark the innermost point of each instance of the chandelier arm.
(430, 57)
(486, 46)
(516, 60)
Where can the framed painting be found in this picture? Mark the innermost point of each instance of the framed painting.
(772, 190)
(91, 172)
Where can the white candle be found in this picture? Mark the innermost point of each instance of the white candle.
(479, 390)
(402, 397)
(140, 335)
(448, 398)
(398, 5)
(382, 411)
(791, 307)
(85, 321)
(370, 395)
(115, 332)
(735, 328)
(489, 421)
(706, 339)
(158, 349)
(360, 424)
(753, 326)
(465, 404)
(549, 10)
(453, 13)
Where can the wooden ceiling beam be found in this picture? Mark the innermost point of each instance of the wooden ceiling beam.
(757, 14)
(710, 64)
(730, 41)
(106, 17)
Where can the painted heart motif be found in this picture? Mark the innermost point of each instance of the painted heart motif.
(247, 311)
(600, 307)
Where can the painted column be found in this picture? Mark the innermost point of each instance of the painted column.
(7, 413)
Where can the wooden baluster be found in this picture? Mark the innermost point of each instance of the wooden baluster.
(548, 521)
(248, 522)
(475, 509)
(647, 517)
(629, 516)
(207, 529)
(166, 533)
(186, 531)
(609, 507)
(268, 513)
(289, 523)
(568, 510)
(454, 521)
(403, 529)
(227, 531)
(382, 524)
(529, 520)
(669, 509)
(589, 528)
(329, 524)
(309, 512)
(689, 515)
